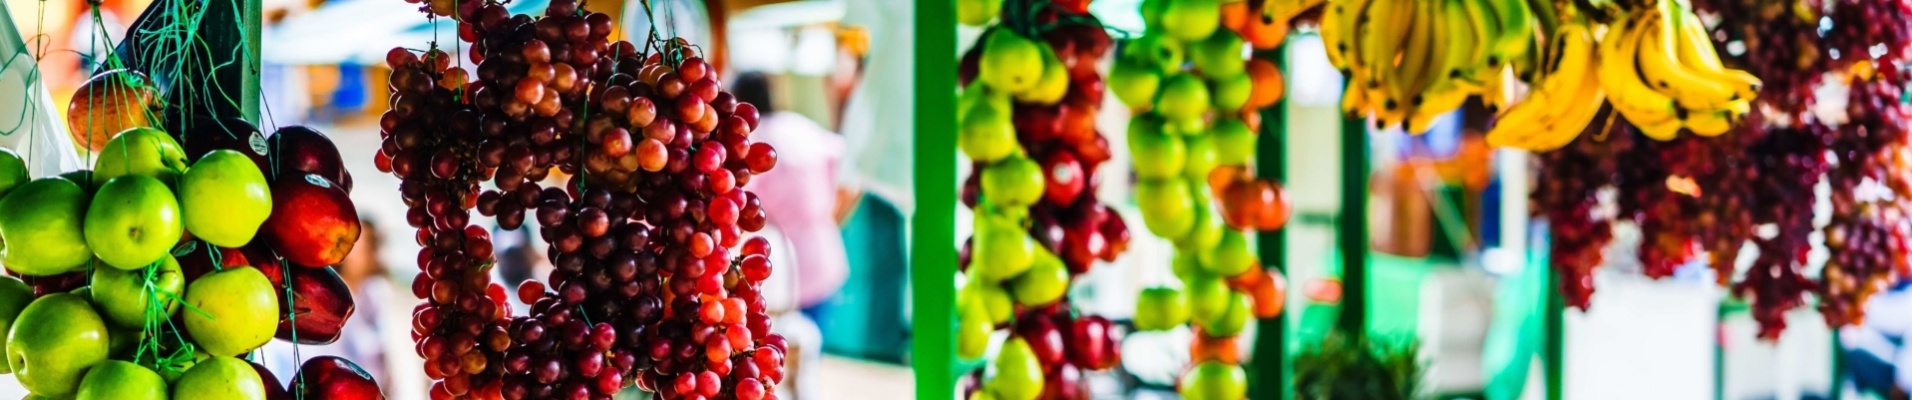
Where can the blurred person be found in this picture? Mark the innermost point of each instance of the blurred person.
(800, 199)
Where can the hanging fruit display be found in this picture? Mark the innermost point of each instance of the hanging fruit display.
(1027, 114)
(1761, 143)
(1408, 62)
(156, 273)
(1197, 106)
(655, 284)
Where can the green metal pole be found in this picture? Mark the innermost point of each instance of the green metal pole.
(933, 225)
(1269, 366)
(250, 94)
(1553, 357)
(1352, 227)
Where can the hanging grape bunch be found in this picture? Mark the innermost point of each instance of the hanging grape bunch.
(1027, 117)
(655, 285)
(1197, 107)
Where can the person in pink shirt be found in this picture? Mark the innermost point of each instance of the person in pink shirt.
(800, 195)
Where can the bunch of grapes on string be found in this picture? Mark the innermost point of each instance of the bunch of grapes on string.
(653, 155)
(1565, 194)
(1869, 230)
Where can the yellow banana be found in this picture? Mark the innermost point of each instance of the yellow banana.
(1562, 103)
(1696, 51)
(1454, 53)
(1659, 65)
(1391, 20)
(1334, 18)
(1647, 109)
(1716, 122)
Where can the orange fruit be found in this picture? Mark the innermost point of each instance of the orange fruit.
(1268, 86)
(1219, 349)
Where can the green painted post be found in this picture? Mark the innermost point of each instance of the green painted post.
(249, 99)
(1270, 365)
(1553, 357)
(1352, 227)
(933, 225)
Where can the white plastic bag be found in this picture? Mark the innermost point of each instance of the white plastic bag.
(29, 124)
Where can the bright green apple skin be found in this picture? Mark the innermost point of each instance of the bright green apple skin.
(1233, 318)
(13, 171)
(1213, 380)
(120, 380)
(53, 342)
(973, 328)
(1017, 372)
(141, 151)
(225, 198)
(132, 222)
(1002, 250)
(14, 296)
(240, 311)
(220, 378)
(1015, 181)
(121, 294)
(44, 215)
(1045, 282)
(1160, 308)
(1011, 63)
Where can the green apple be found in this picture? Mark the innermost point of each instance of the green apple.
(171, 369)
(1157, 154)
(141, 151)
(1052, 84)
(122, 296)
(1014, 182)
(1151, 11)
(979, 94)
(1045, 282)
(1213, 380)
(1205, 232)
(1208, 296)
(41, 225)
(1184, 96)
(236, 311)
(133, 221)
(1234, 142)
(993, 299)
(220, 378)
(120, 380)
(1186, 265)
(977, 12)
(1230, 256)
(1234, 316)
(1230, 93)
(14, 296)
(1219, 55)
(1201, 157)
(13, 171)
(1011, 63)
(1001, 250)
(1191, 20)
(224, 198)
(1016, 374)
(1160, 308)
(1162, 54)
(1134, 83)
(973, 328)
(986, 133)
(53, 342)
(1167, 208)
(84, 178)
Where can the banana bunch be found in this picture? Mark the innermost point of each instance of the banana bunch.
(1562, 101)
(1409, 61)
(1661, 72)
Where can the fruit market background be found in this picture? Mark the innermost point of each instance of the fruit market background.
(1453, 259)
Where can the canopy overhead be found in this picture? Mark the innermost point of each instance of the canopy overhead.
(362, 31)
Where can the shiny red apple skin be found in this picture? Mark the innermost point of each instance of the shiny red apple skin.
(334, 378)
(1064, 178)
(301, 150)
(271, 382)
(321, 303)
(313, 222)
(45, 285)
(1064, 382)
(1044, 338)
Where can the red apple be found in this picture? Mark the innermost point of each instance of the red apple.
(271, 382)
(1077, 124)
(205, 134)
(1115, 231)
(50, 284)
(321, 303)
(1045, 340)
(110, 103)
(199, 261)
(313, 223)
(1064, 382)
(1063, 177)
(1036, 123)
(1093, 152)
(333, 378)
(301, 150)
